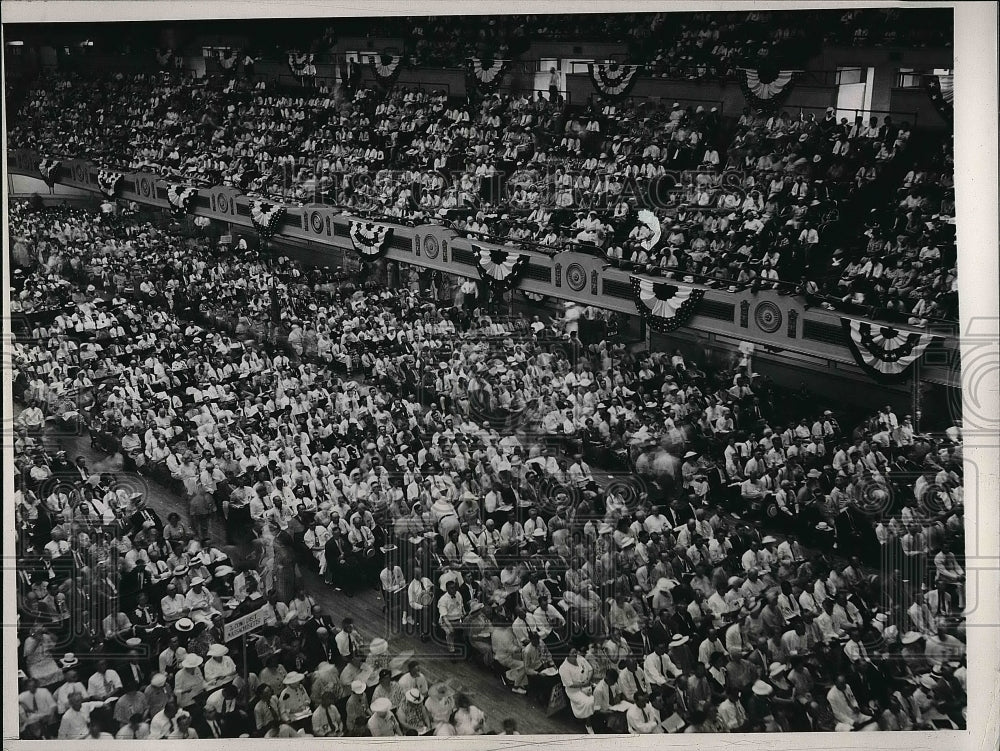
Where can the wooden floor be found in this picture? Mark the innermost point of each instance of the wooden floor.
(483, 688)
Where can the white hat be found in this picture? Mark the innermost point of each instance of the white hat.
(133, 642)
(776, 668)
(218, 650)
(184, 624)
(927, 681)
(663, 584)
(222, 571)
(911, 637)
(678, 640)
(196, 580)
(768, 539)
(69, 660)
(823, 526)
(379, 646)
(192, 661)
(413, 696)
(761, 689)
(690, 454)
(293, 678)
(381, 704)
(358, 687)
(158, 680)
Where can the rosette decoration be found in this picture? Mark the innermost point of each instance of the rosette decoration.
(297, 62)
(486, 77)
(265, 216)
(613, 80)
(109, 182)
(180, 196)
(500, 269)
(765, 87)
(370, 240)
(228, 62)
(47, 168)
(941, 90)
(664, 307)
(884, 352)
(386, 68)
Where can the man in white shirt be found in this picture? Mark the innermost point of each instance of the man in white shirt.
(659, 668)
(451, 611)
(642, 717)
(845, 706)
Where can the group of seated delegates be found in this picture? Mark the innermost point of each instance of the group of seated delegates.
(473, 502)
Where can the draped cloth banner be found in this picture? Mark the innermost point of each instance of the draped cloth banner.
(370, 240)
(500, 269)
(47, 168)
(109, 182)
(613, 80)
(484, 77)
(941, 90)
(386, 68)
(265, 216)
(297, 62)
(179, 197)
(765, 89)
(664, 307)
(885, 353)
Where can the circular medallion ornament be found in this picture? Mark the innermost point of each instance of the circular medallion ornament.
(767, 315)
(576, 277)
(316, 222)
(431, 248)
(80, 173)
(222, 201)
(145, 188)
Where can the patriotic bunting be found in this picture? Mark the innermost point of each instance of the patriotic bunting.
(487, 77)
(941, 90)
(265, 216)
(500, 269)
(297, 62)
(370, 240)
(613, 80)
(386, 68)
(180, 197)
(109, 182)
(765, 89)
(664, 307)
(884, 352)
(47, 168)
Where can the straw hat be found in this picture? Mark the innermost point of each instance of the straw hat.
(762, 689)
(381, 705)
(192, 661)
(218, 650)
(184, 624)
(69, 660)
(776, 669)
(413, 696)
(159, 680)
(358, 687)
(292, 678)
(679, 640)
(911, 637)
(379, 646)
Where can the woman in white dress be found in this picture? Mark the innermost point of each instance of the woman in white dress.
(576, 675)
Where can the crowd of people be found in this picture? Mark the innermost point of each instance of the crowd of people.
(770, 201)
(456, 465)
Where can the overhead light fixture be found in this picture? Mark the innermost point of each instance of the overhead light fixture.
(15, 44)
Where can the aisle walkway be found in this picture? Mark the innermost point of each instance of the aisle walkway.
(483, 688)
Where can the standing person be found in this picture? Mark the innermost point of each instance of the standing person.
(420, 596)
(554, 81)
(576, 674)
